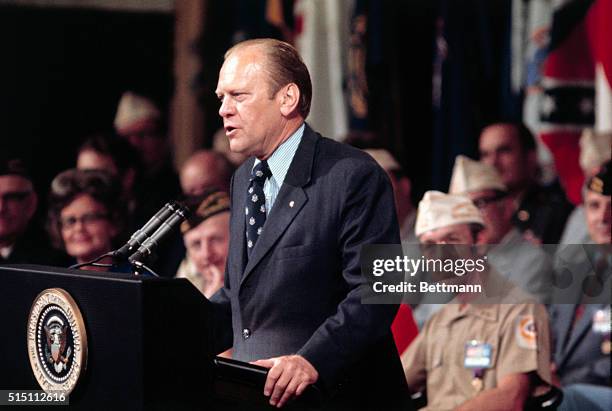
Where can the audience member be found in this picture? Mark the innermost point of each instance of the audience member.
(581, 332)
(21, 241)
(520, 262)
(85, 214)
(541, 211)
(140, 122)
(406, 214)
(205, 170)
(206, 237)
(117, 157)
(474, 354)
(594, 151)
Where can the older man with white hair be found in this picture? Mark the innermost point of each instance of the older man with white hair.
(595, 150)
(475, 354)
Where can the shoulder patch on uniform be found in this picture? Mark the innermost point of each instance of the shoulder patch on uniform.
(526, 336)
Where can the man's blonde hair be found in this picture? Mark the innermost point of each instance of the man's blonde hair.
(284, 66)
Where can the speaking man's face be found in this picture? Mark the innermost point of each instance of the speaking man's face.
(252, 117)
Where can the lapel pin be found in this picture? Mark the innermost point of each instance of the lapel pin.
(291, 203)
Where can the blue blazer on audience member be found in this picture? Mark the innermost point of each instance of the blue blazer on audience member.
(578, 353)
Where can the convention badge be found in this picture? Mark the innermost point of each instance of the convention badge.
(526, 336)
(601, 322)
(477, 355)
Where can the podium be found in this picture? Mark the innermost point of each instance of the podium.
(146, 343)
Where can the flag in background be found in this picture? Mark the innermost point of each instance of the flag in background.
(599, 39)
(322, 39)
(530, 37)
(568, 103)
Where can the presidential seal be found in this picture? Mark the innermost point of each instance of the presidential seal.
(57, 341)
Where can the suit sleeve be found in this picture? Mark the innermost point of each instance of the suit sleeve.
(366, 216)
(223, 337)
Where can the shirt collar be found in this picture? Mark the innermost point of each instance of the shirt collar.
(280, 160)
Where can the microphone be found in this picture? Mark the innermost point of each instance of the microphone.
(149, 246)
(146, 230)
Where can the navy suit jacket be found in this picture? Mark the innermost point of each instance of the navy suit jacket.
(300, 290)
(577, 352)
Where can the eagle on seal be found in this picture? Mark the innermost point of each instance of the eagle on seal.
(56, 343)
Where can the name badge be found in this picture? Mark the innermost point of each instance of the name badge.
(601, 322)
(477, 355)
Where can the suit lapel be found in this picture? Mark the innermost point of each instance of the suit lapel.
(290, 201)
(238, 229)
(581, 328)
(288, 204)
(563, 321)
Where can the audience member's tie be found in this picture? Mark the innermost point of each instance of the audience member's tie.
(255, 209)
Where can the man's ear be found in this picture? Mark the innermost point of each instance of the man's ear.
(289, 99)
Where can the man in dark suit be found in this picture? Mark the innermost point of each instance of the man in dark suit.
(301, 210)
(21, 241)
(581, 332)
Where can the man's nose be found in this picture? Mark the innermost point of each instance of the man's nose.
(226, 108)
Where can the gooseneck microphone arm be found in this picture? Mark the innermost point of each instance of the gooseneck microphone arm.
(150, 245)
(138, 238)
(145, 232)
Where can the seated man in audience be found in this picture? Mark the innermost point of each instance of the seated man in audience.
(476, 353)
(118, 158)
(140, 122)
(205, 170)
(406, 214)
(595, 150)
(541, 211)
(581, 332)
(516, 259)
(20, 240)
(206, 237)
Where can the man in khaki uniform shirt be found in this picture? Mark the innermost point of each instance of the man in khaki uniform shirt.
(469, 355)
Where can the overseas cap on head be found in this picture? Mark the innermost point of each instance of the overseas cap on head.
(384, 159)
(14, 166)
(595, 149)
(601, 182)
(437, 210)
(471, 175)
(135, 113)
(213, 203)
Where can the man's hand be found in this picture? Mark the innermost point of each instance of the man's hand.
(288, 377)
(213, 280)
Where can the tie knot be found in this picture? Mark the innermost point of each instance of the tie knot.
(261, 172)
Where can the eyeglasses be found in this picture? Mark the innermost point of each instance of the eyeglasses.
(485, 201)
(15, 196)
(86, 219)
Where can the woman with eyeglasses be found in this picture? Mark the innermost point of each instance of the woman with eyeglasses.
(85, 214)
